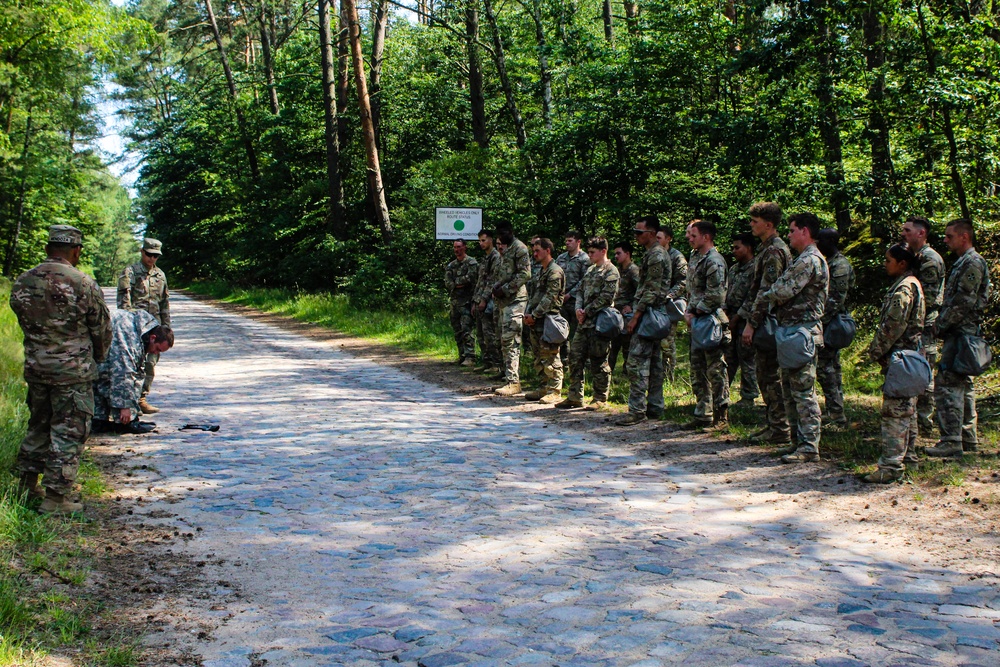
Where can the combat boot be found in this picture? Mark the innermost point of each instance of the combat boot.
(509, 389)
(745, 403)
(653, 413)
(595, 406)
(29, 484)
(696, 425)
(551, 397)
(535, 394)
(631, 419)
(945, 450)
(721, 419)
(58, 504)
(569, 404)
(837, 422)
(146, 408)
(468, 362)
(770, 437)
(970, 447)
(800, 457)
(883, 476)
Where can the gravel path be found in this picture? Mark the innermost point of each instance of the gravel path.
(355, 515)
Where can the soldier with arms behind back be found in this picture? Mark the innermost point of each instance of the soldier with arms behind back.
(628, 282)
(841, 284)
(740, 357)
(574, 263)
(143, 286)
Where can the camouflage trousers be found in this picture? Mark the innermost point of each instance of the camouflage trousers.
(58, 427)
(831, 380)
(710, 380)
(899, 433)
(489, 341)
(620, 344)
(546, 361)
(802, 406)
(510, 320)
(956, 408)
(150, 367)
(589, 350)
(645, 374)
(668, 348)
(740, 357)
(463, 326)
(925, 402)
(769, 381)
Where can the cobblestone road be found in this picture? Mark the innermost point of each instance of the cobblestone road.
(376, 519)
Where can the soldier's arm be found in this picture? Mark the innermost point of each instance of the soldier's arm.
(547, 295)
(469, 274)
(98, 320)
(789, 284)
(836, 298)
(932, 281)
(125, 289)
(772, 266)
(647, 295)
(605, 297)
(449, 278)
(892, 326)
(678, 279)
(964, 299)
(165, 305)
(522, 273)
(714, 296)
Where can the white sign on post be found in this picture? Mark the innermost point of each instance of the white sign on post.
(458, 223)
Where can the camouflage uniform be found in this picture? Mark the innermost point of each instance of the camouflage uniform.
(799, 296)
(706, 285)
(966, 293)
(770, 262)
(931, 277)
(120, 375)
(512, 276)
(828, 368)
(460, 279)
(142, 289)
(597, 292)
(900, 324)
(486, 331)
(67, 330)
(645, 365)
(546, 299)
(740, 357)
(574, 268)
(627, 284)
(678, 290)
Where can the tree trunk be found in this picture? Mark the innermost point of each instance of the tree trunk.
(477, 97)
(380, 20)
(878, 128)
(545, 74)
(15, 237)
(829, 122)
(240, 120)
(609, 31)
(500, 61)
(632, 17)
(335, 186)
(368, 129)
(343, 77)
(265, 47)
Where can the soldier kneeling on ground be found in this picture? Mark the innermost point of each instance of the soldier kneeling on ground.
(118, 388)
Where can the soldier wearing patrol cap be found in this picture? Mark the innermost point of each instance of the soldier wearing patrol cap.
(142, 286)
(67, 331)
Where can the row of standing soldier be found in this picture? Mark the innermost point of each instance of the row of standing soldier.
(507, 295)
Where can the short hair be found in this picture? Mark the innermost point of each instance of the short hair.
(597, 243)
(767, 210)
(544, 244)
(747, 239)
(706, 227)
(626, 246)
(920, 221)
(828, 241)
(462, 241)
(504, 226)
(651, 221)
(162, 333)
(668, 232)
(963, 226)
(487, 232)
(902, 253)
(806, 220)
(575, 234)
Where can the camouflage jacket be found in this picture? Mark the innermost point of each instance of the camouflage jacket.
(574, 268)
(799, 294)
(487, 276)
(627, 284)
(548, 292)
(654, 279)
(738, 286)
(706, 285)
(901, 319)
(513, 273)
(932, 281)
(597, 291)
(773, 257)
(142, 289)
(66, 324)
(460, 279)
(122, 373)
(841, 284)
(678, 274)
(965, 295)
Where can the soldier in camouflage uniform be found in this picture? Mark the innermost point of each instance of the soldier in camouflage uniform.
(142, 286)
(706, 286)
(916, 229)
(546, 299)
(510, 296)
(574, 263)
(597, 292)
(67, 331)
(740, 357)
(482, 309)
(460, 279)
(120, 376)
(645, 364)
(799, 297)
(628, 282)
(900, 324)
(677, 290)
(841, 284)
(966, 293)
(771, 261)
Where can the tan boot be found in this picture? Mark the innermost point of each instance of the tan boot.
(569, 404)
(883, 476)
(146, 408)
(29, 484)
(469, 362)
(551, 398)
(56, 504)
(800, 457)
(509, 389)
(632, 418)
(596, 405)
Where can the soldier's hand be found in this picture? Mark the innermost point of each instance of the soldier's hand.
(124, 416)
(529, 320)
(498, 292)
(481, 306)
(626, 310)
(688, 317)
(581, 315)
(634, 322)
(748, 335)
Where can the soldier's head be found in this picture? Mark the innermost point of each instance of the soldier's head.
(460, 248)
(541, 250)
(765, 216)
(623, 253)
(959, 235)
(900, 260)
(597, 250)
(573, 240)
(828, 241)
(645, 229)
(65, 242)
(151, 251)
(743, 247)
(505, 232)
(701, 235)
(665, 237)
(915, 231)
(486, 240)
(803, 228)
(158, 340)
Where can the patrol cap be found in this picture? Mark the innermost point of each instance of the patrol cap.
(65, 234)
(152, 246)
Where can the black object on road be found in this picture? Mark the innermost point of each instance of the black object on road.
(199, 427)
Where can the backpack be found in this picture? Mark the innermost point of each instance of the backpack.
(907, 375)
(609, 323)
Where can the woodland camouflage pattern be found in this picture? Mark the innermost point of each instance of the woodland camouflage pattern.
(460, 279)
(706, 286)
(828, 370)
(142, 289)
(598, 290)
(120, 376)
(645, 361)
(512, 277)
(486, 329)
(546, 299)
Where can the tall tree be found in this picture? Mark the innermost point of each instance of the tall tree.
(873, 28)
(476, 95)
(265, 47)
(335, 186)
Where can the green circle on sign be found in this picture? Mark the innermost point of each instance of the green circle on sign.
(459, 225)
